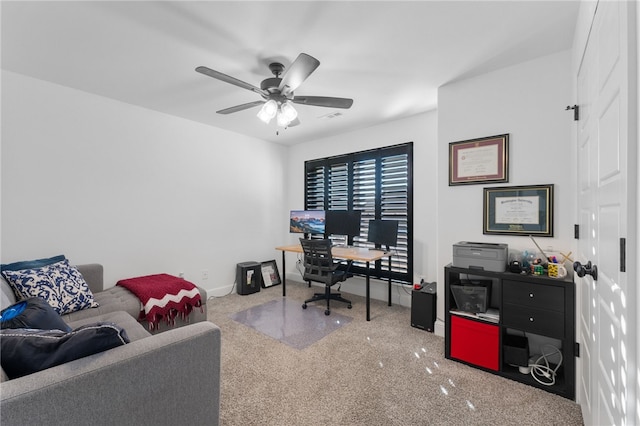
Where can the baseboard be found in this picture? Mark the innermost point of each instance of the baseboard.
(221, 291)
(439, 328)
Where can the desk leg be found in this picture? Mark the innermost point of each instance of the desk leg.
(368, 299)
(389, 280)
(284, 275)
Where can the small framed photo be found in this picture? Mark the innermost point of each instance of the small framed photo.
(518, 210)
(483, 160)
(270, 275)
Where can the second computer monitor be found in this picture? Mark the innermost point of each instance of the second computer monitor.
(383, 232)
(343, 222)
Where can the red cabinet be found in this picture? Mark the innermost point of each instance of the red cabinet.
(475, 342)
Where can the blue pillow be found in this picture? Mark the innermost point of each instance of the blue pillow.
(60, 284)
(32, 313)
(25, 351)
(30, 264)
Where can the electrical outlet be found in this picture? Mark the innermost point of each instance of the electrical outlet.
(205, 274)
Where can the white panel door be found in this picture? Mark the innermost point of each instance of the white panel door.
(605, 204)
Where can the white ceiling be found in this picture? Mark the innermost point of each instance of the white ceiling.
(389, 56)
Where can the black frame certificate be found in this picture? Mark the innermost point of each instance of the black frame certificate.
(518, 210)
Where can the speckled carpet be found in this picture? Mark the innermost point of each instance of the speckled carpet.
(382, 372)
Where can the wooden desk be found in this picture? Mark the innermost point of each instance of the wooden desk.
(347, 253)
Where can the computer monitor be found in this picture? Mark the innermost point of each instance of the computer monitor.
(343, 222)
(307, 221)
(383, 232)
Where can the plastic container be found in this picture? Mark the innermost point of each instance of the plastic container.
(472, 298)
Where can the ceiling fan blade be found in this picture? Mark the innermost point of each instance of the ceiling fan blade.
(298, 72)
(240, 107)
(323, 101)
(231, 80)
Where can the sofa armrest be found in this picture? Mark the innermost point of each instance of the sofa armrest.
(172, 377)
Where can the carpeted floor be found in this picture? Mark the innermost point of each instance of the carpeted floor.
(382, 372)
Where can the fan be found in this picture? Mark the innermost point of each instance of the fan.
(277, 93)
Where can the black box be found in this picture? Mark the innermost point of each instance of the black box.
(248, 277)
(423, 310)
(515, 350)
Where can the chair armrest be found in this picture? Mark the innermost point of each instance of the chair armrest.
(172, 377)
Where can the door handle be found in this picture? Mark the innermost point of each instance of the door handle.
(587, 269)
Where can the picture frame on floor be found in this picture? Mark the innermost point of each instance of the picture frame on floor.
(270, 274)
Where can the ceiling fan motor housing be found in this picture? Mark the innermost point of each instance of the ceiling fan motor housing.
(270, 84)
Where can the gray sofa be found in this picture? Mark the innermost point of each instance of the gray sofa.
(170, 377)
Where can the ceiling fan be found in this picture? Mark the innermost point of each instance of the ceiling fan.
(277, 92)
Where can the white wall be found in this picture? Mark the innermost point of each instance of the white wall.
(422, 131)
(136, 190)
(527, 101)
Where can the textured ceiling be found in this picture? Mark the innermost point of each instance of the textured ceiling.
(390, 57)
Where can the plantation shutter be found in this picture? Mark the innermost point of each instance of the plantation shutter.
(378, 183)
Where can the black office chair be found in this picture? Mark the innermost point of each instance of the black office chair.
(320, 267)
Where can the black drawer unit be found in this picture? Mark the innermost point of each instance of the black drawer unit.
(533, 312)
(533, 320)
(533, 307)
(535, 295)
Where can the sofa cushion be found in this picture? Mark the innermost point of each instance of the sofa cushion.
(135, 330)
(25, 351)
(7, 295)
(32, 313)
(60, 284)
(111, 300)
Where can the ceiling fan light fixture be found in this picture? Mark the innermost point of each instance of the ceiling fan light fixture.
(268, 111)
(288, 111)
(282, 120)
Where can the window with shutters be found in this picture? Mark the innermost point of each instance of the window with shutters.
(379, 183)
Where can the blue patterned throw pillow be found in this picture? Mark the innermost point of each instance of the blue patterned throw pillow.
(60, 284)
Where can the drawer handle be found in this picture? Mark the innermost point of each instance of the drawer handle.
(531, 295)
(531, 319)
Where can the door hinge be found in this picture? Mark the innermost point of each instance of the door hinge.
(623, 255)
(576, 349)
(576, 231)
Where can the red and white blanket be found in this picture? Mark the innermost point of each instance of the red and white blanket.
(163, 297)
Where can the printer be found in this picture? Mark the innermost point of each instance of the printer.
(482, 256)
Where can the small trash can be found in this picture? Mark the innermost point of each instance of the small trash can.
(248, 277)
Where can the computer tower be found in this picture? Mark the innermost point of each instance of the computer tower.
(423, 309)
(248, 277)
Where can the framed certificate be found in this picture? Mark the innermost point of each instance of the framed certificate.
(518, 210)
(270, 275)
(483, 160)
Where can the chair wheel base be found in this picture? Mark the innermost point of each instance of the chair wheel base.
(304, 306)
(349, 307)
(327, 312)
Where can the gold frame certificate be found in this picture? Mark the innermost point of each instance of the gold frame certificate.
(518, 210)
